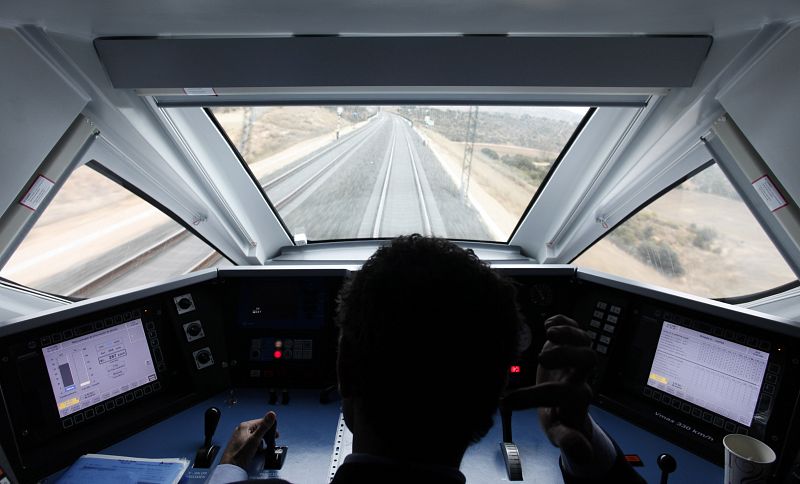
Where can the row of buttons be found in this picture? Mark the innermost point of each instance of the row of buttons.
(102, 408)
(696, 412)
(158, 356)
(728, 334)
(86, 328)
(604, 320)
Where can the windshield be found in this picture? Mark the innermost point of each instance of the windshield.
(361, 172)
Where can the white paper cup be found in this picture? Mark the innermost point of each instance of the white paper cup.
(747, 460)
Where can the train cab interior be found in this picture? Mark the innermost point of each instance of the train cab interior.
(185, 186)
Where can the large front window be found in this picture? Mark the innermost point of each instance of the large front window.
(359, 172)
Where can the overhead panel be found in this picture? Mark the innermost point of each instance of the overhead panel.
(510, 61)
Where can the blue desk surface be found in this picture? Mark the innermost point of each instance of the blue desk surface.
(308, 429)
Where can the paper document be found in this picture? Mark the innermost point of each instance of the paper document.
(113, 468)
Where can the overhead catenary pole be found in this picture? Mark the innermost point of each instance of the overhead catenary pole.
(469, 145)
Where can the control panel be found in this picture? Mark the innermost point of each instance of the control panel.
(78, 379)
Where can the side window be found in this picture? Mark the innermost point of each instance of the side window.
(96, 237)
(698, 238)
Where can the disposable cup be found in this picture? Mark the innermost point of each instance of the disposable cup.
(747, 460)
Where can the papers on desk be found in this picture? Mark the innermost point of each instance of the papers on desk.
(97, 468)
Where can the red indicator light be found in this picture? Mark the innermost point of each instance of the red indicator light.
(515, 369)
(278, 354)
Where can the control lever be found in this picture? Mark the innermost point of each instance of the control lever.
(205, 454)
(667, 464)
(273, 455)
(508, 448)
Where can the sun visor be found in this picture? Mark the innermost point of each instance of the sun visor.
(636, 62)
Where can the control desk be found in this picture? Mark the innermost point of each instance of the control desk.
(133, 373)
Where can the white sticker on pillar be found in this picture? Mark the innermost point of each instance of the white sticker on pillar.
(38, 191)
(769, 193)
(199, 91)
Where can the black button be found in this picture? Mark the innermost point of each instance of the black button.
(647, 391)
(657, 395)
(676, 403)
(156, 386)
(764, 403)
(120, 401)
(718, 422)
(109, 405)
(67, 422)
(730, 427)
(78, 418)
(764, 345)
(707, 417)
(129, 397)
(770, 389)
(138, 393)
(772, 378)
(100, 409)
(742, 430)
(89, 414)
(148, 390)
(666, 399)
(686, 408)
(696, 412)
(774, 368)
(194, 329)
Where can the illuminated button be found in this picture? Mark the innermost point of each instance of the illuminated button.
(591, 334)
(602, 349)
(278, 354)
(515, 369)
(595, 323)
(611, 319)
(605, 339)
(599, 314)
(601, 305)
(718, 422)
(615, 309)
(609, 328)
(696, 412)
(730, 427)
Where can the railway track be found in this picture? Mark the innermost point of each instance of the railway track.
(407, 166)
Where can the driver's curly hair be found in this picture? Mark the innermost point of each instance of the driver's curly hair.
(428, 330)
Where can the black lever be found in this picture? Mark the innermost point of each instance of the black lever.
(667, 464)
(508, 448)
(273, 455)
(205, 454)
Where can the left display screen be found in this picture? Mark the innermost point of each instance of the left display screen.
(92, 368)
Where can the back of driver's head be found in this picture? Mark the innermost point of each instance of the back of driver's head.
(428, 332)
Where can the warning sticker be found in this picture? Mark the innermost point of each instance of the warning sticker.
(37, 192)
(769, 193)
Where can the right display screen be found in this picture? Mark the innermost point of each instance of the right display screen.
(716, 374)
